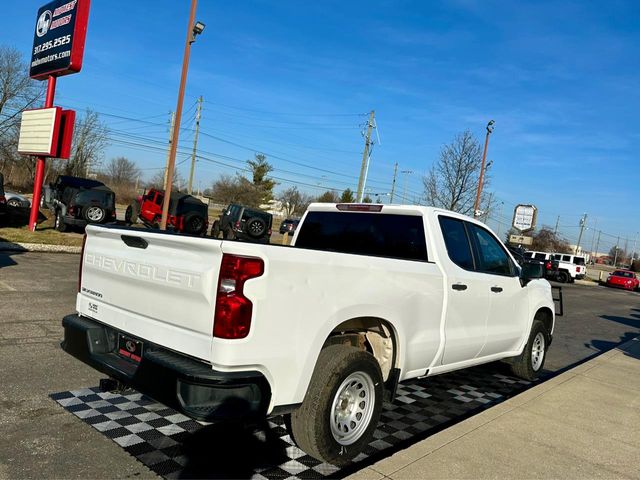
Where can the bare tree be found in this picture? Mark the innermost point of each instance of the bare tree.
(17, 93)
(121, 171)
(291, 200)
(17, 90)
(90, 138)
(452, 181)
(157, 181)
(546, 240)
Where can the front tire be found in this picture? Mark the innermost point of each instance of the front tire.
(530, 362)
(342, 406)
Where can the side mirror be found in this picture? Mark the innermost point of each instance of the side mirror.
(531, 271)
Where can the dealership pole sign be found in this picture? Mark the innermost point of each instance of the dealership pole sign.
(58, 39)
(58, 48)
(525, 217)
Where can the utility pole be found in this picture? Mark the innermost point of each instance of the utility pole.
(597, 245)
(166, 168)
(593, 237)
(555, 231)
(404, 189)
(476, 207)
(393, 183)
(365, 158)
(615, 258)
(193, 28)
(633, 252)
(195, 146)
(583, 222)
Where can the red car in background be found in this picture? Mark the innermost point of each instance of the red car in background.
(623, 279)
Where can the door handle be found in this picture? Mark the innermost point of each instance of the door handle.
(496, 289)
(459, 286)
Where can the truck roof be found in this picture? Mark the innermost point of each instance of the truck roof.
(384, 208)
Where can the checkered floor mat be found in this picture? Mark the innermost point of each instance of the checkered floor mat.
(174, 446)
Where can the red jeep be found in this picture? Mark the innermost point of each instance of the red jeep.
(187, 214)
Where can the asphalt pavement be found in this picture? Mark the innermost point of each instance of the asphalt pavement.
(42, 440)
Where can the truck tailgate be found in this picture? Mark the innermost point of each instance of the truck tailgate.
(155, 286)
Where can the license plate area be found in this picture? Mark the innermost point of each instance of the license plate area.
(130, 348)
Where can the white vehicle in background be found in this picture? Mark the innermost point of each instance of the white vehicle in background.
(375, 294)
(572, 265)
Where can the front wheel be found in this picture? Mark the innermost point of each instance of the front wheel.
(530, 362)
(342, 406)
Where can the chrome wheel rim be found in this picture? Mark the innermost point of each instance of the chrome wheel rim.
(537, 351)
(352, 408)
(94, 214)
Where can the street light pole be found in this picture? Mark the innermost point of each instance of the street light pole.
(476, 207)
(193, 29)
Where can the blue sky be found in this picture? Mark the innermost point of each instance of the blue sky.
(295, 79)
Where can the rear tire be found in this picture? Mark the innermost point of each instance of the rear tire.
(131, 214)
(59, 222)
(563, 277)
(194, 224)
(256, 227)
(342, 405)
(215, 229)
(530, 362)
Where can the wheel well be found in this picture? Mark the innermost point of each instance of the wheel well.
(374, 335)
(546, 317)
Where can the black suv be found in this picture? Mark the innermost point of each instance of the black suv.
(289, 225)
(79, 201)
(243, 223)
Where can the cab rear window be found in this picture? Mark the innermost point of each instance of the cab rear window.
(392, 236)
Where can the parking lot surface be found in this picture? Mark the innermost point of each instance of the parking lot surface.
(41, 439)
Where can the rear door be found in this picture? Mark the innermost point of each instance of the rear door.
(155, 286)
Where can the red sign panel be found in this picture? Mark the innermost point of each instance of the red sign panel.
(58, 40)
(65, 137)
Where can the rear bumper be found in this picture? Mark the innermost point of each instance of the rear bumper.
(178, 381)
(76, 222)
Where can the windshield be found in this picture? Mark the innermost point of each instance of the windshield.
(620, 273)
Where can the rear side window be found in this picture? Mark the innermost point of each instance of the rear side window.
(457, 242)
(392, 236)
(540, 256)
(566, 258)
(578, 260)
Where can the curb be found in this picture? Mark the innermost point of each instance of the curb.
(587, 283)
(37, 247)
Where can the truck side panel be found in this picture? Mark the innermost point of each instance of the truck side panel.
(305, 294)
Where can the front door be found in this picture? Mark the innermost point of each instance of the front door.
(508, 307)
(467, 296)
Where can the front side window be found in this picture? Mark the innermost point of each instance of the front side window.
(492, 257)
(540, 256)
(457, 242)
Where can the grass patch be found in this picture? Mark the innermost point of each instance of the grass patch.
(45, 234)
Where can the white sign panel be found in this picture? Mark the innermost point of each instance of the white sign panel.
(520, 239)
(524, 217)
(39, 131)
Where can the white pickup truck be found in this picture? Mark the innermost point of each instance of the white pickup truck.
(367, 296)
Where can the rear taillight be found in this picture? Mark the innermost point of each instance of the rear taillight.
(84, 241)
(233, 310)
(237, 226)
(548, 265)
(3, 199)
(73, 210)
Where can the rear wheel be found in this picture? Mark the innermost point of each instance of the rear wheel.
(193, 224)
(256, 227)
(94, 214)
(563, 277)
(529, 363)
(342, 406)
(13, 203)
(131, 214)
(59, 222)
(215, 229)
